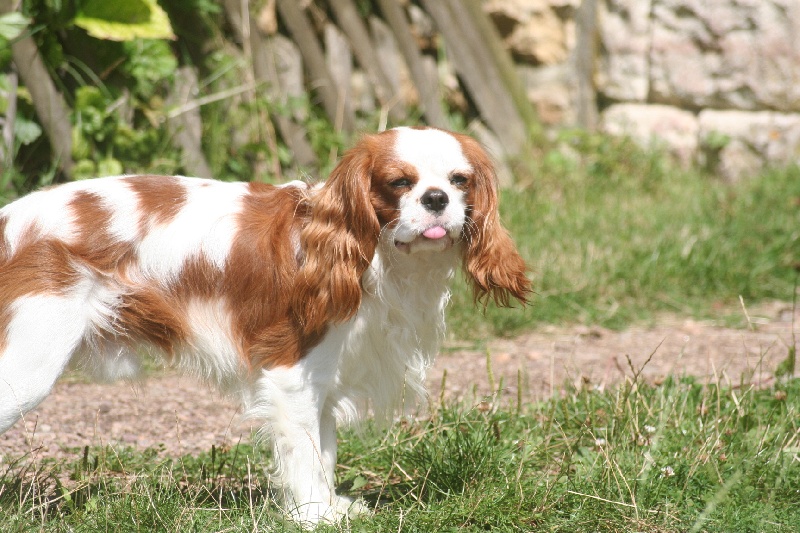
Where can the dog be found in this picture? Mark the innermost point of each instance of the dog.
(310, 304)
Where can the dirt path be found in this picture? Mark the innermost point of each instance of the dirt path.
(182, 416)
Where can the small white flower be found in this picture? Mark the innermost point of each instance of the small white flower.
(599, 442)
(650, 429)
(667, 471)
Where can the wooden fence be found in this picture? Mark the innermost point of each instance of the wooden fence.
(316, 46)
(328, 37)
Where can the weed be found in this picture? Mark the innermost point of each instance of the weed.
(680, 456)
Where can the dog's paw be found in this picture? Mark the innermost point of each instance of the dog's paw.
(347, 507)
(310, 515)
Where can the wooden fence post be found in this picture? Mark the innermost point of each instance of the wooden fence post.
(339, 59)
(264, 70)
(50, 106)
(480, 74)
(337, 109)
(353, 26)
(187, 127)
(584, 57)
(428, 88)
(504, 62)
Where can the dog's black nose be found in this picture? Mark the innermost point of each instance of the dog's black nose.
(435, 200)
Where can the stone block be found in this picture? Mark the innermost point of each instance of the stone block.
(531, 29)
(625, 29)
(738, 144)
(551, 89)
(659, 126)
(723, 54)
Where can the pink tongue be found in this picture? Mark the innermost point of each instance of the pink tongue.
(436, 232)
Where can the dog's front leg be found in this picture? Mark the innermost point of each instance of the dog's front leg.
(342, 505)
(292, 407)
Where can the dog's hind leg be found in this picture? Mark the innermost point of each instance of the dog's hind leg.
(42, 333)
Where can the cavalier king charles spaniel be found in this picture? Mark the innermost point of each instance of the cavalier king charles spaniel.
(311, 304)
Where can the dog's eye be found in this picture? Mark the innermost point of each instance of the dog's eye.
(400, 183)
(459, 180)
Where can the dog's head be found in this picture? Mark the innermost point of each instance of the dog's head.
(415, 191)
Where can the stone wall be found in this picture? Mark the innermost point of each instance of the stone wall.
(715, 81)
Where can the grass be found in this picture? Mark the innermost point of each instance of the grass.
(614, 235)
(680, 456)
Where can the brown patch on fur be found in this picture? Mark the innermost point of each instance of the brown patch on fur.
(261, 273)
(160, 198)
(94, 243)
(255, 285)
(150, 314)
(339, 241)
(155, 312)
(493, 266)
(386, 168)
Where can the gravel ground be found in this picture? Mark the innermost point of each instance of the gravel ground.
(181, 416)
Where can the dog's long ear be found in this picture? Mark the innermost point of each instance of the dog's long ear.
(337, 244)
(493, 266)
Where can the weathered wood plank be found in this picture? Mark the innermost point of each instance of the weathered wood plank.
(583, 59)
(427, 86)
(366, 54)
(336, 107)
(475, 66)
(339, 58)
(268, 57)
(490, 37)
(51, 108)
(186, 128)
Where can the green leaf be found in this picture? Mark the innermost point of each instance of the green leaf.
(124, 20)
(26, 131)
(150, 63)
(83, 169)
(358, 482)
(89, 96)
(109, 167)
(81, 149)
(12, 25)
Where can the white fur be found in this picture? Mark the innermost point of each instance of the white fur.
(124, 207)
(44, 212)
(205, 225)
(212, 352)
(375, 362)
(42, 335)
(393, 339)
(434, 153)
